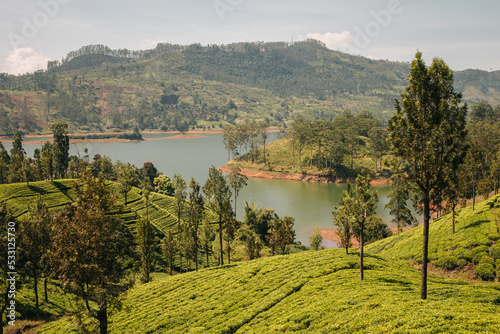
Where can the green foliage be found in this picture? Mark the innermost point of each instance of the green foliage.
(448, 262)
(315, 239)
(485, 271)
(495, 251)
(308, 292)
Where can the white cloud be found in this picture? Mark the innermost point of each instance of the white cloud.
(149, 43)
(24, 60)
(335, 41)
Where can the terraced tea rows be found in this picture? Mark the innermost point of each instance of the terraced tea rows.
(309, 292)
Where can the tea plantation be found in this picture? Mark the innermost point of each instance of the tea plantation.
(310, 292)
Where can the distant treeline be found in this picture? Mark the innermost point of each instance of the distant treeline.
(128, 136)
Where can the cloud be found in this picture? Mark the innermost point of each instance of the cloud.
(150, 43)
(24, 60)
(335, 41)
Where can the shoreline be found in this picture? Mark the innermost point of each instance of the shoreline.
(252, 173)
(108, 140)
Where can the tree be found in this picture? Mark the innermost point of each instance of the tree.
(169, 250)
(36, 243)
(148, 173)
(89, 246)
(315, 239)
(146, 241)
(218, 196)
(428, 133)
(365, 203)
(237, 181)
(127, 177)
(231, 227)
(60, 148)
(379, 146)
(164, 185)
(397, 205)
(342, 217)
(47, 161)
(17, 157)
(195, 213)
(480, 112)
(253, 245)
(207, 238)
(259, 220)
(474, 164)
(8, 236)
(282, 234)
(4, 164)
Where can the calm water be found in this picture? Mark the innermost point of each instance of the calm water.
(310, 203)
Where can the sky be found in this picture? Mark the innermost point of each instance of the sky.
(463, 33)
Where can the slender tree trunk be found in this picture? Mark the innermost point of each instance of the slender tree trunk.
(45, 289)
(453, 215)
(311, 160)
(4, 307)
(473, 195)
(206, 254)
(220, 242)
(35, 272)
(293, 156)
(264, 152)
(361, 269)
(425, 246)
(228, 252)
(102, 316)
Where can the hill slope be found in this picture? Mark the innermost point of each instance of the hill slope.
(172, 87)
(57, 193)
(320, 292)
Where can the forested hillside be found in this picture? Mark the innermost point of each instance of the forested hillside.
(174, 87)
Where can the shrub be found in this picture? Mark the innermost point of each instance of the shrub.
(485, 271)
(448, 262)
(495, 252)
(486, 259)
(480, 249)
(462, 263)
(466, 254)
(477, 258)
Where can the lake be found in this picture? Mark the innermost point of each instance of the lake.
(310, 203)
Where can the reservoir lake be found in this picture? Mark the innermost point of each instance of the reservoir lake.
(310, 203)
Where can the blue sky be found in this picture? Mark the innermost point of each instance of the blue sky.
(463, 33)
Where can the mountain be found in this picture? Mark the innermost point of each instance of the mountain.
(182, 87)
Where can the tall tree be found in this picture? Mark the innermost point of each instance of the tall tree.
(195, 213)
(36, 243)
(237, 181)
(8, 237)
(397, 205)
(379, 146)
(169, 250)
(428, 133)
(342, 217)
(90, 245)
(474, 164)
(365, 203)
(60, 148)
(218, 196)
(127, 177)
